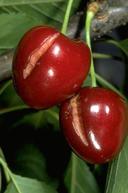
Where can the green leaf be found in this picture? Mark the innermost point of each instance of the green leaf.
(2, 154)
(16, 20)
(26, 185)
(52, 117)
(9, 97)
(107, 84)
(79, 178)
(123, 45)
(118, 172)
(30, 162)
(13, 26)
(34, 119)
(12, 109)
(17, 2)
(40, 118)
(4, 86)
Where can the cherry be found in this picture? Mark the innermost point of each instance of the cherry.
(48, 67)
(95, 123)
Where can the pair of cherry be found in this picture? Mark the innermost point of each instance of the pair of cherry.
(48, 69)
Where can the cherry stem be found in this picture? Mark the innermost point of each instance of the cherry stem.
(91, 11)
(66, 17)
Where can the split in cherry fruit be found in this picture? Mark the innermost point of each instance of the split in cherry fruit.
(95, 123)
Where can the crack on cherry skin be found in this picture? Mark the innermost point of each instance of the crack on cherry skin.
(104, 124)
(77, 121)
(36, 54)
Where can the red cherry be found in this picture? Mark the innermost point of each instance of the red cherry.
(95, 123)
(48, 67)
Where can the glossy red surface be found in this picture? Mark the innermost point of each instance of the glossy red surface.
(95, 123)
(58, 73)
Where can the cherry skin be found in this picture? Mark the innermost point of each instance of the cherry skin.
(94, 123)
(48, 67)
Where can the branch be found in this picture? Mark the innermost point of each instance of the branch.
(115, 3)
(111, 15)
(6, 65)
(113, 18)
